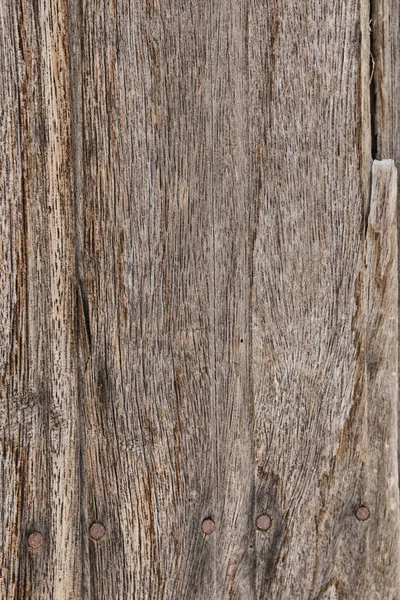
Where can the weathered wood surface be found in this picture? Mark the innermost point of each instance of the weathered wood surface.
(385, 55)
(308, 301)
(381, 494)
(39, 396)
(199, 299)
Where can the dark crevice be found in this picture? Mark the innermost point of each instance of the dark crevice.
(85, 310)
(373, 81)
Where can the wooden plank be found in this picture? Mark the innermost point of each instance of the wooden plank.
(39, 427)
(309, 78)
(233, 213)
(382, 493)
(165, 291)
(385, 81)
(385, 54)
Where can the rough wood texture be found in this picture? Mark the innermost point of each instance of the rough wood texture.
(38, 368)
(166, 382)
(146, 268)
(382, 493)
(198, 300)
(308, 301)
(385, 54)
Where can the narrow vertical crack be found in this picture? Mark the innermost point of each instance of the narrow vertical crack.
(375, 154)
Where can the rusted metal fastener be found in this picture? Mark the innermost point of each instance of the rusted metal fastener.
(208, 526)
(35, 540)
(263, 522)
(362, 513)
(97, 531)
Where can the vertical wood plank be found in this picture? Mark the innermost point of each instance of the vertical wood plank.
(385, 82)
(165, 286)
(39, 427)
(309, 129)
(148, 297)
(382, 493)
(232, 237)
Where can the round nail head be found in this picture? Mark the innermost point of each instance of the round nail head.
(263, 522)
(97, 531)
(208, 526)
(35, 540)
(362, 513)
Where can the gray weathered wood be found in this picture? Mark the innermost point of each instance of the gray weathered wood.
(38, 369)
(385, 51)
(198, 299)
(147, 298)
(382, 493)
(164, 163)
(309, 304)
(385, 27)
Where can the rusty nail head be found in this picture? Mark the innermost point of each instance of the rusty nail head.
(97, 531)
(35, 540)
(263, 522)
(362, 513)
(208, 526)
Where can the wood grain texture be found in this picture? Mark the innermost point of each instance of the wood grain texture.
(39, 428)
(198, 300)
(309, 305)
(382, 494)
(164, 234)
(146, 265)
(385, 83)
(385, 54)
